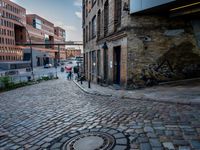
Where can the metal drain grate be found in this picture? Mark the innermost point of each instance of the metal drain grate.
(93, 139)
(90, 141)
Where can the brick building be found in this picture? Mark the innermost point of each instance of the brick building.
(12, 22)
(43, 31)
(141, 42)
(73, 52)
(16, 27)
(59, 36)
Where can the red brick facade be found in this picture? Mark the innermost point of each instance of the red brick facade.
(73, 53)
(14, 25)
(9, 28)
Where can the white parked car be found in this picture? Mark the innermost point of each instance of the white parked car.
(48, 66)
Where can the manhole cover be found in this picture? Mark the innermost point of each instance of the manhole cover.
(93, 139)
(90, 141)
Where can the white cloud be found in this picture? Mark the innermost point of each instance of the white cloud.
(65, 26)
(29, 12)
(70, 30)
(78, 14)
(78, 2)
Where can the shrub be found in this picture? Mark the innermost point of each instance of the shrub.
(45, 78)
(6, 81)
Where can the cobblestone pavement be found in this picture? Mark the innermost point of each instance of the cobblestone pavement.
(35, 117)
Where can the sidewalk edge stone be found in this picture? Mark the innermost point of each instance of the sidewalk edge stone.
(92, 93)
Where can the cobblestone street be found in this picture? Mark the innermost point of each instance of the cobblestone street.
(42, 115)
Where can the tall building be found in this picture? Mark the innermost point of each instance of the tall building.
(135, 43)
(73, 52)
(18, 28)
(42, 31)
(12, 30)
(59, 36)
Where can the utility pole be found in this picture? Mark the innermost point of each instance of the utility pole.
(58, 53)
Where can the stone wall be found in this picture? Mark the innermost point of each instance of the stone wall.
(160, 49)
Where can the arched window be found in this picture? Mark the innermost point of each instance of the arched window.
(98, 23)
(106, 17)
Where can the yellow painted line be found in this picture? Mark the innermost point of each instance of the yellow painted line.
(185, 6)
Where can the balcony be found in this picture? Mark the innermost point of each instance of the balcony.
(163, 6)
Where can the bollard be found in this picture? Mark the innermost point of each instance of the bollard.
(29, 78)
(81, 80)
(89, 84)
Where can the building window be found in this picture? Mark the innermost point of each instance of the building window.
(86, 8)
(93, 2)
(84, 38)
(94, 27)
(118, 7)
(106, 17)
(89, 6)
(86, 34)
(37, 23)
(93, 64)
(98, 23)
(84, 14)
(89, 31)
(63, 34)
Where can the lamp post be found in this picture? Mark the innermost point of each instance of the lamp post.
(105, 65)
(59, 54)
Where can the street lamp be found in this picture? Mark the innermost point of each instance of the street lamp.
(30, 42)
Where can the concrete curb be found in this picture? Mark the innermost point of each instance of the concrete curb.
(160, 101)
(92, 93)
(141, 98)
(178, 81)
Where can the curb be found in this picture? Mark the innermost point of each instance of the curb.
(167, 102)
(91, 93)
(178, 81)
(139, 99)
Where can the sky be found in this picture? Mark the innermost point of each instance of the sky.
(64, 13)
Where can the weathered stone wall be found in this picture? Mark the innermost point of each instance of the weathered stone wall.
(160, 49)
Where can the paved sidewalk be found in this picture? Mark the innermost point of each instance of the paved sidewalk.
(185, 93)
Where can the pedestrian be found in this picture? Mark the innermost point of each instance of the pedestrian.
(69, 72)
(76, 71)
(70, 75)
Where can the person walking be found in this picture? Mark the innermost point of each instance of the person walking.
(69, 72)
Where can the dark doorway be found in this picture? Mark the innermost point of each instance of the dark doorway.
(105, 64)
(116, 64)
(38, 61)
(98, 64)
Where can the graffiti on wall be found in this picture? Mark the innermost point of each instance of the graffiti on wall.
(179, 62)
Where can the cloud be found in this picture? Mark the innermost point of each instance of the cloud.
(78, 14)
(70, 29)
(78, 2)
(65, 26)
